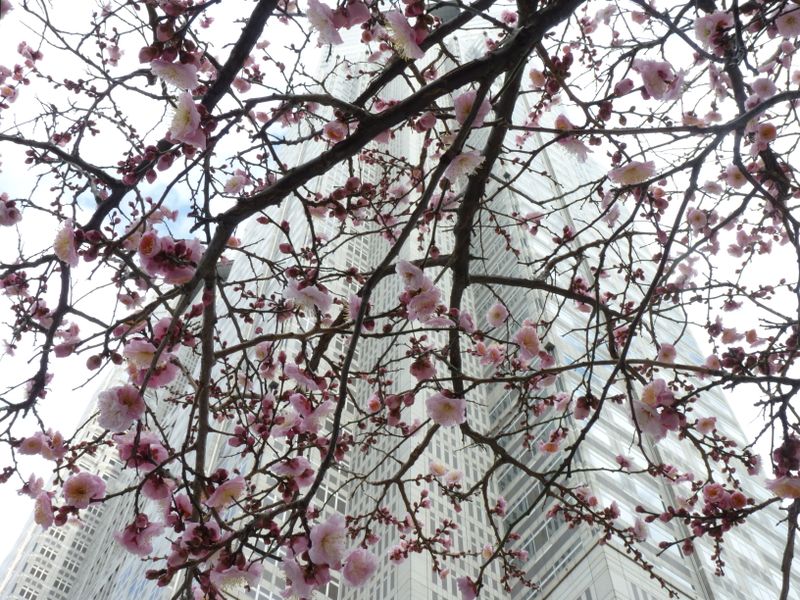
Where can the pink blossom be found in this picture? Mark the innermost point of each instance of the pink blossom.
(321, 18)
(141, 450)
(623, 87)
(64, 246)
(446, 411)
(79, 490)
(639, 530)
(32, 487)
(136, 537)
(468, 589)
(538, 79)
(298, 469)
(226, 493)
(9, 213)
(303, 379)
(119, 407)
(648, 420)
(43, 510)
(666, 353)
(5, 8)
(328, 542)
(404, 39)
(423, 305)
(236, 183)
(437, 468)
(788, 24)
(735, 177)
(359, 566)
(453, 477)
(308, 295)
(464, 104)
(182, 76)
(493, 355)
(235, 576)
(466, 322)
(632, 173)
(656, 393)
(33, 444)
(764, 87)
(156, 487)
(412, 276)
(697, 219)
(707, 27)
(496, 315)
(423, 369)
(569, 142)
(528, 342)
(660, 81)
(426, 121)
(185, 125)
(335, 131)
(463, 165)
(785, 486)
(706, 425)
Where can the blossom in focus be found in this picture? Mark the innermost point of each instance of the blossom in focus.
(308, 295)
(785, 486)
(446, 411)
(185, 126)
(119, 407)
(412, 276)
(569, 142)
(497, 314)
(335, 131)
(359, 566)
(464, 104)
(321, 18)
(182, 76)
(140, 450)
(708, 26)
(528, 341)
(9, 213)
(468, 589)
(403, 37)
(656, 393)
(659, 79)
(136, 537)
(788, 24)
(226, 493)
(43, 510)
(735, 177)
(236, 183)
(463, 165)
(79, 490)
(234, 577)
(328, 542)
(632, 173)
(64, 246)
(666, 353)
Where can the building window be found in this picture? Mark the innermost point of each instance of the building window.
(28, 594)
(37, 572)
(61, 585)
(57, 534)
(48, 553)
(70, 565)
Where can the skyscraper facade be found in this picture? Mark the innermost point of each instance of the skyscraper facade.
(560, 562)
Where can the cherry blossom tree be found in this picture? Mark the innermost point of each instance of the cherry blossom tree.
(189, 177)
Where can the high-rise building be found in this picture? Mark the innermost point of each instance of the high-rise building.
(83, 561)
